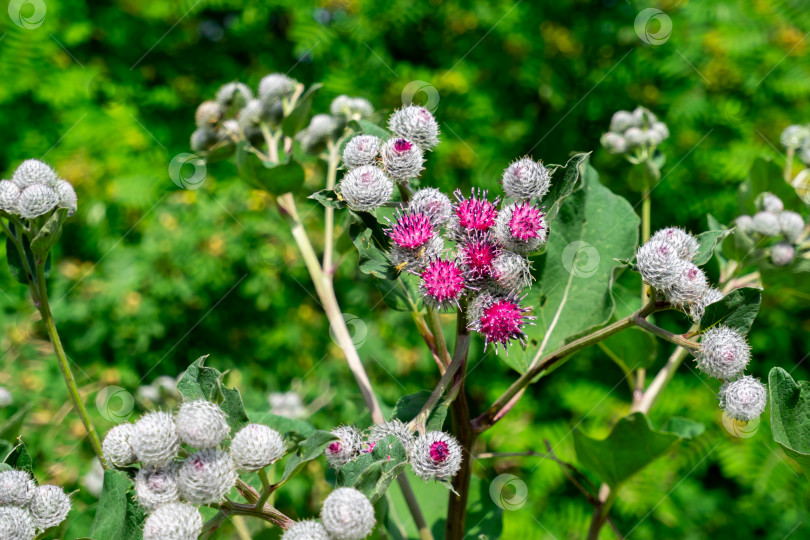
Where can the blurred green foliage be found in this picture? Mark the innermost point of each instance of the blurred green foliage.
(149, 276)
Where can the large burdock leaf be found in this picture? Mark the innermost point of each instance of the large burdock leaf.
(202, 382)
(737, 309)
(632, 445)
(790, 416)
(118, 514)
(573, 292)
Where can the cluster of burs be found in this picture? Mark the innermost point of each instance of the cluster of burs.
(34, 191)
(238, 115)
(772, 221)
(634, 130)
(190, 459)
(665, 264)
(471, 249)
(27, 510)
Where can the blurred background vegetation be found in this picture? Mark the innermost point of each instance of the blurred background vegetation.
(149, 276)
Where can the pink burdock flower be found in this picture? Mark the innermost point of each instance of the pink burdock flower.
(436, 456)
(475, 213)
(526, 222)
(402, 145)
(477, 253)
(500, 319)
(411, 230)
(521, 227)
(442, 283)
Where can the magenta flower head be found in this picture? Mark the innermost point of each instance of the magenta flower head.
(411, 230)
(475, 213)
(477, 252)
(436, 455)
(499, 318)
(442, 283)
(346, 448)
(521, 227)
(402, 159)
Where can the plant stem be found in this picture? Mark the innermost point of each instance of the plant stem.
(267, 489)
(601, 511)
(788, 170)
(435, 326)
(329, 215)
(681, 341)
(64, 364)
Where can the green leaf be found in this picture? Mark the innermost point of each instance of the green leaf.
(275, 178)
(289, 427)
(708, 241)
(372, 473)
(49, 233)
(372, 245)
(561, 188)
(298, 117)
(15, 264)
(737, 309)
(370, 128)
(632, 445)
(400, 294)
(311, 448)
(328, 198)
(19, 458)
(117, 515)
(573, 292)
(200, 382)
(408, 406)
(10, 428)
(790, 416)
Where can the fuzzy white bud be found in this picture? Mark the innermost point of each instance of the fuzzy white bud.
(622, 120)
(791, 224)
(402, 159)
(768, 202)
(436, 455)
(36, 200)
(361, 150)
(723, 353)
(710, 296)
(766, 223)
(9, 193)
(156, 486)
(782, 254)
(67, 196)
(33, 171)
(745, 224)
(16, 488)
(351, 107)
(274, 87)
(511, 271)
(795, 136)
(234, 95)
(526, 178)
(116, 447)
(686, 246)
(49, 507)
(208, 114)
(306, 530)
(416, 124)
(346, 448)
(743, 399)
(689, 288)
(634, 137)
(154, 439)
(347, 514)
(659, 264)
(201, 424)
(614, 142)
(16, 524)
(432, 203)
(206, 476)
(366, 188)
(394, 427)
(173, 521)
(256, 446)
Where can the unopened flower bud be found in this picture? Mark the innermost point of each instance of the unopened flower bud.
(16, 488)
(16, 523)
(173, 521)
(306, 530)
(321, 127)
(689, 288)
(745, 224)
(154, 439)
(795, 136)
(9, 193)
(366, 188)
(661, 130)
(521, 227)
(256, 446)
(203, 139)
(686, 246)
(723, 353)
(67, 196)
(782, 254)
(433, 203)
(526, 178)
(791, 224)
(274, 87)
(351, 108)
(33, 171)
(769, 202)
(234, 95)
(416, 124)
(394, 427)
(710, 296)
(346, 448)
(766, 223)
(402, 159)
(659, 264)
(614, 142)
(511, 271)
(36, 200)
(49, 507)
(116, 447)
(436, 455)
(208, 114)
(347, 514)
(206, 476)
(156, 486)
(743, 399)
(361, 150)
(201, 424)
(634, 137)
(622, 120)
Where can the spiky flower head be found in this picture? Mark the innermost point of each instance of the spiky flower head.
(9, 193)
(614, 142)
(394, 427)
(346, 448)
(366, 188)
(659, 264)
(478, 252)
(116, 447)
(416, 124)
(442, 283)
(791, 224)
(795, 136)
(634, 137)
(745, 224)
(36, 200)
(402, 159)
(661, 131)
(433, 203)
(498, 317)
(154, 439)
(361, 150)
(521, 227)
(723, 353)
(689, 288)
(686, 246)
(256, 446)
(201, 424)
(347, 514)
(208, 114)
(206, 476)
(203, 139)
(475, 213)
(253, 114)
(351, 108)
(67, 196)
(743, 399)
(32, 172)
(411, 259)
(275, 86)
(16, 488)
(411, 230)
(511, 271)
(234, 95)
(526, 178)
(710, 296)
(155, 486)
(173, 521)
(436, 455)
(782, 254)
(622, 120)
(766, 223)
(49, 506)
(16, 523)
(306, 530)
(769, 202)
